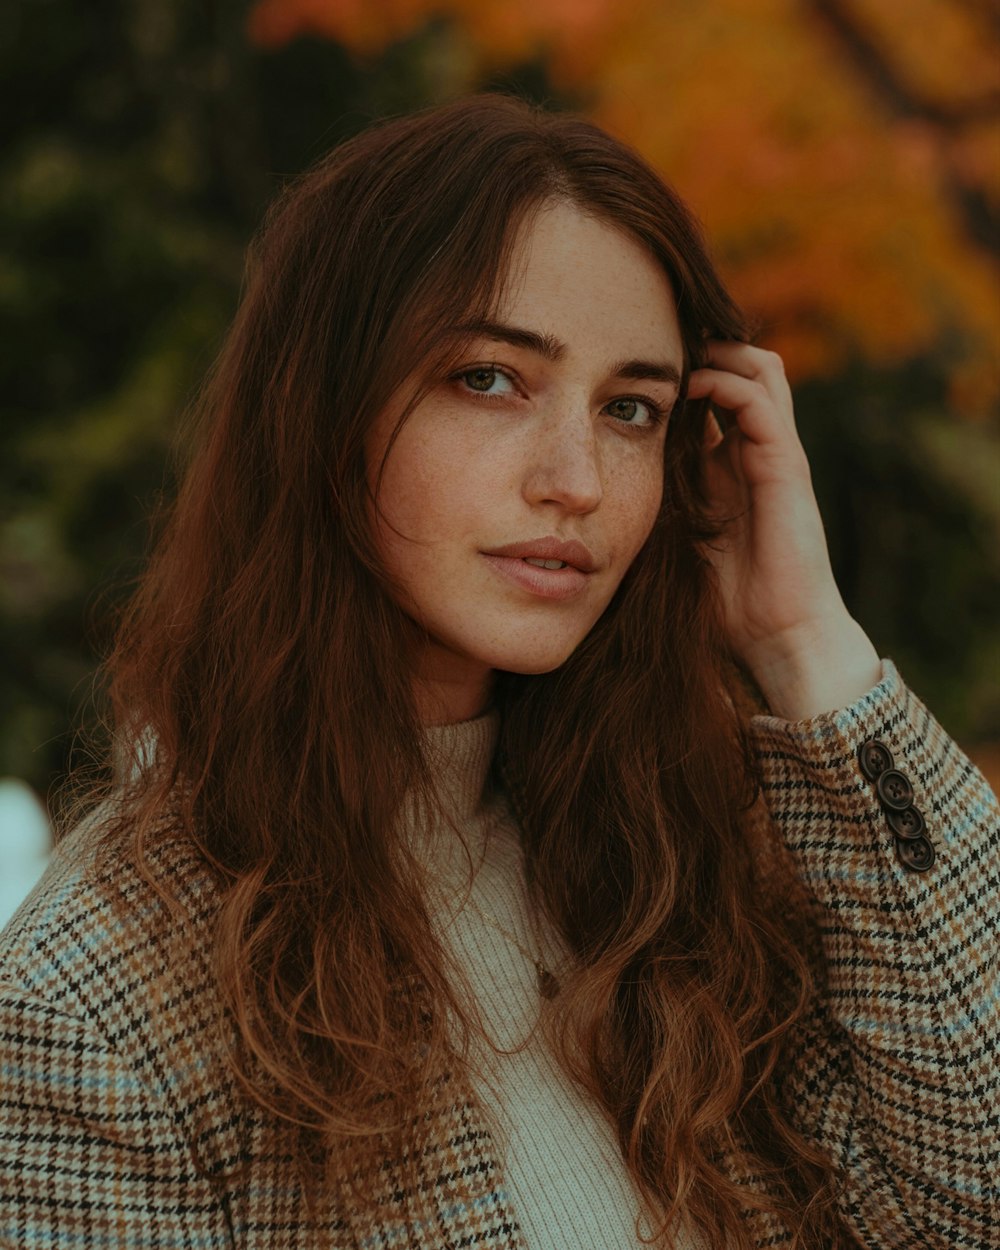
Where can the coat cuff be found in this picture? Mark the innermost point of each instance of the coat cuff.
(880, 777)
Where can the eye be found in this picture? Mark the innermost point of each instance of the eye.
(487, 380)
(630, 410)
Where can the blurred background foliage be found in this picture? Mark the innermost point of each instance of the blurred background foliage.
(844, 156)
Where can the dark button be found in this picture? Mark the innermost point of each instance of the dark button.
(908, 824)
(894, 790)
(874, 758)
(917, 854)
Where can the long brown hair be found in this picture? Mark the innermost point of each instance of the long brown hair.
(263, 657)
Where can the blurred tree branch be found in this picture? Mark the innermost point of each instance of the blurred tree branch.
(873, 62)
(985, 11)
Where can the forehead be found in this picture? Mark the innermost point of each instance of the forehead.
(569, 270)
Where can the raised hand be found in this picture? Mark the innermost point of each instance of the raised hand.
(784, 614)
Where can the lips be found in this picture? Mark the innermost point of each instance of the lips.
(573, 552)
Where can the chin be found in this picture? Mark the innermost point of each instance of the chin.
(532, 652)
(534, 663)
(531, 670)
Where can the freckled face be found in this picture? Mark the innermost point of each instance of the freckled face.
(546, 443)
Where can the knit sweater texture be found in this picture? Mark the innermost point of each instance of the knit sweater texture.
(563, 1164)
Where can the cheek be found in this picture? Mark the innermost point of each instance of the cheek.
(407, 488)
(395, 501)
(640, 505)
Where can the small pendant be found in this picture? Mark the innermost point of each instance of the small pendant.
(548, 986)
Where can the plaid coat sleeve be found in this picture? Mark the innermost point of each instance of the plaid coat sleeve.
(90, 1157)
(896, 1074)
(99, 1147)
(121, 1127)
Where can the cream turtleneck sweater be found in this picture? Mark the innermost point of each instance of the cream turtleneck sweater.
(567, 1179)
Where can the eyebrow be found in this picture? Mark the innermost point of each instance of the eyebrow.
(647, 371)
(550, 348)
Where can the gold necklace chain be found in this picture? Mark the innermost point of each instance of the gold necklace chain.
(548, 985)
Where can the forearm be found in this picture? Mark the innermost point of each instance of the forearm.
(905, 1038)
(819, 669)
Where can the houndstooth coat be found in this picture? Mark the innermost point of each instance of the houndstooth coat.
(120, 1125)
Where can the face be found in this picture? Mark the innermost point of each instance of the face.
(522, 486)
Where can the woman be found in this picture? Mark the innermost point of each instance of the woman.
(451, 895)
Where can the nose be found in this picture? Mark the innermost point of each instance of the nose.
(564, 463)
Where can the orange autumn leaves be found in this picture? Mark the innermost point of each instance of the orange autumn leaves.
(844, 155)
(502, 33)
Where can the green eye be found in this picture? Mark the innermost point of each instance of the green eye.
(488, 380)
(480, 379)
(633, 411)
(624, 409)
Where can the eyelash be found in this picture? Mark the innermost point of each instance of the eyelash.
(656, 412)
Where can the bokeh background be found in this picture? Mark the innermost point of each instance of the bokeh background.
(844, 156)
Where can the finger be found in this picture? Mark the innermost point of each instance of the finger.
(741, 401)
(743, 358)
(714, 429)
(754, 363)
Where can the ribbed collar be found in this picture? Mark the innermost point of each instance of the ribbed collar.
(460, 757)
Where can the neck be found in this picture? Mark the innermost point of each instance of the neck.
(449, 689)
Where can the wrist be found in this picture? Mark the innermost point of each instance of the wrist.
(816, 669)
